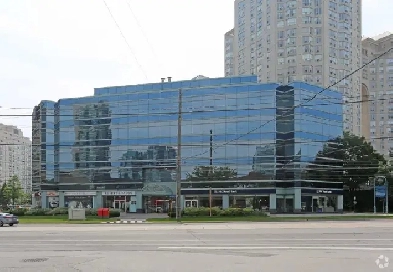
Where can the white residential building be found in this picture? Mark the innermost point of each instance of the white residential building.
(15, 156)
(378, 80)
(315, 41)
(228, 43)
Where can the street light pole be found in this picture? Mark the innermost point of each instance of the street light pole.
(375, 207)
(211, 148)
(387, 196)
(178, 161)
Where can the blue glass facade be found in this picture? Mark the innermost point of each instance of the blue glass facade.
(125, 138)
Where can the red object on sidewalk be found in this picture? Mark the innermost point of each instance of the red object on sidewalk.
(100, 212)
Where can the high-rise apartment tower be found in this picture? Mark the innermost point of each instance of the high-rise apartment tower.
(315, 41)
(378, 83)
(15, 156)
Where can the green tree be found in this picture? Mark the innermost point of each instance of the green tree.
(13, 190)
(207, 173)
(25, 199)
(4, 200)
(349, 159)
(386, 170)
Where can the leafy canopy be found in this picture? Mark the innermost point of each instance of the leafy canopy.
(349, 159)
(11, 192)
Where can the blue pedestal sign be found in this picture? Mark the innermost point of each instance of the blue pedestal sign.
(380, 191)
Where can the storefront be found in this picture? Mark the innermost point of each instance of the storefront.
(52, 199)
(322, 200)
(226, 198)
(122, 200)
(158, 204)
(83, 199)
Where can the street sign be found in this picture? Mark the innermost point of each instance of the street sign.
(380, 191)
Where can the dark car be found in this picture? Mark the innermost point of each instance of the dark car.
(8, 219)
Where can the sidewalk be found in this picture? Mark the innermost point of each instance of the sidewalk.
(124, 215)
(332, 215)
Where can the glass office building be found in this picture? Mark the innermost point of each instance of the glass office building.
(243, 142)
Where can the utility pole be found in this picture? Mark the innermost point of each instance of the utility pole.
(211, 171)
(211, 147)
(13, 193)
(375, 207)
(178, 161)
(210, 201)
(387, 195)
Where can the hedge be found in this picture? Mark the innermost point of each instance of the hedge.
(57, 212)
(202, 211)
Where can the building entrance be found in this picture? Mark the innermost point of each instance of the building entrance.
(157, 204)
(284, 203)
(120, 205)
(117, 202)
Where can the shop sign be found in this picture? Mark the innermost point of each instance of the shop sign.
(80, 193)
(324, 192)
(52, 194)
(118, 193)
(225, 192)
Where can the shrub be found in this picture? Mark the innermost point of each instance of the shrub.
(234, 212)
(17, 212)
(202, 211)
(37, 212)
(114, 213)
(57, 211)
(91, 212)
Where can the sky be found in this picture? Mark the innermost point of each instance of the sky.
(52, 49)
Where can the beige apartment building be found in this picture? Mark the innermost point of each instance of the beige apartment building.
(378, 83)
(315, 41)
(15, 156)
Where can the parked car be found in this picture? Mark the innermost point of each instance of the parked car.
(8, 219)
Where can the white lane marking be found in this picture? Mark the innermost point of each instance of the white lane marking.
(327, 239)
(196, 245)
(289, 248)
(216, 241)
(94, 240)
(47, 238)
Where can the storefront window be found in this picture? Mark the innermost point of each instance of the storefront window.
(78, 202)
(117, 202)
(202, 201)
(158, 204)
(319, 203)
(254, 202)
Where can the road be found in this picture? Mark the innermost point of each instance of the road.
(296, 246)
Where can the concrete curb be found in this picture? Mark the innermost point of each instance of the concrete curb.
(125, 222)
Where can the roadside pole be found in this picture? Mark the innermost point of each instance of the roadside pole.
(178, 161)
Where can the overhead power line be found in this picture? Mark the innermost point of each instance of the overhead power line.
(306, 101)
(125, 40)
(191, 111)
(144, 34)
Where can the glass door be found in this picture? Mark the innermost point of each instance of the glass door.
(120, 205)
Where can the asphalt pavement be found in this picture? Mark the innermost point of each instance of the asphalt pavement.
(276, 247)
